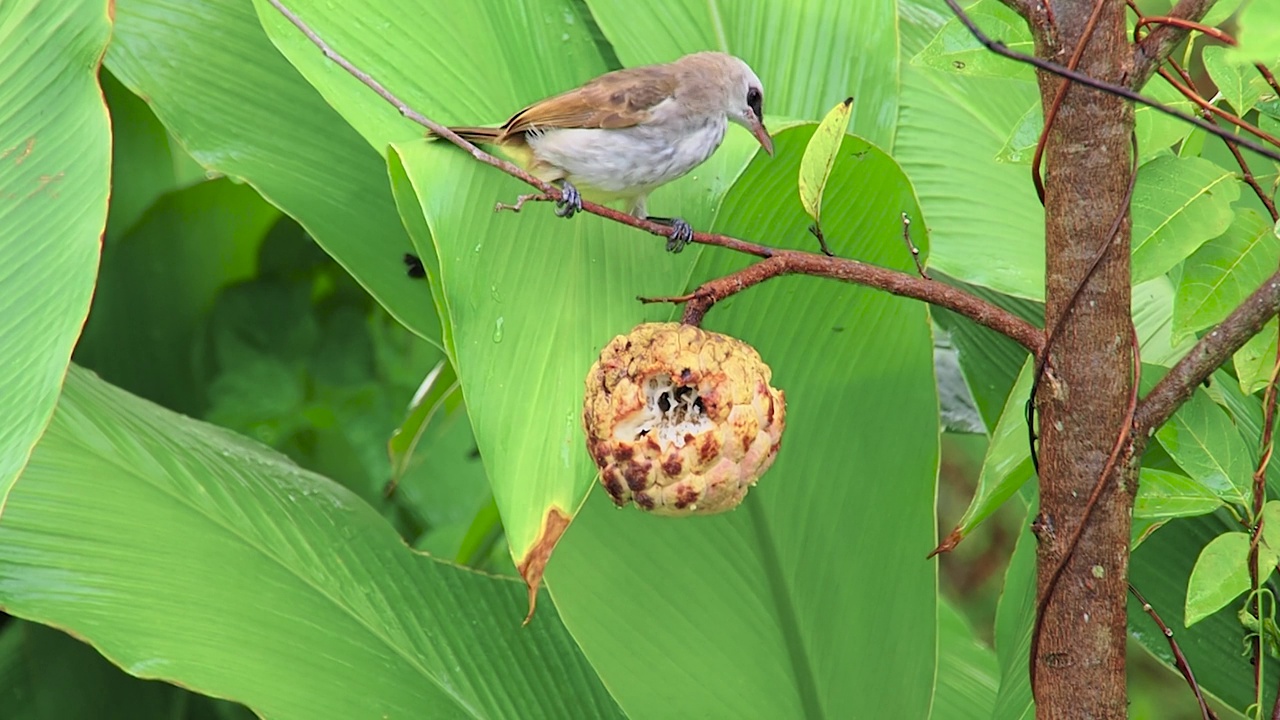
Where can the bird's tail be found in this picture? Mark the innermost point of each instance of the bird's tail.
(477, 135)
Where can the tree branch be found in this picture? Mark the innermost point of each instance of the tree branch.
(795, 262)
(1154, 48)
(777, 262)
(1211, 351)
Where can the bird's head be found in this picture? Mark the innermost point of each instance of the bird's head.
(734, 88)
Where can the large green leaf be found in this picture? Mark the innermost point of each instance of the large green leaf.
(1015, 618)
(54, 173)
(1160, 569)
(1224, 271)
(185, 552)
(236, 105)
(1178, 204)
(781, 580)
(1204, 442)
(967, 673)
(809, 54)
(457, 63)
(1007, 465)
(985, 225)
(955, 49)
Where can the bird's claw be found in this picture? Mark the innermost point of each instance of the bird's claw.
(570, 201)
(681, 234)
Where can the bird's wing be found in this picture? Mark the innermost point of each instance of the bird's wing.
(619, 99)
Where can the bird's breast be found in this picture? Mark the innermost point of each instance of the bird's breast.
(626, 162)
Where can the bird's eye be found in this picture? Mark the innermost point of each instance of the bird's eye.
(754, 100)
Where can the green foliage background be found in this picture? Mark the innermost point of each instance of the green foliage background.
(287, 479)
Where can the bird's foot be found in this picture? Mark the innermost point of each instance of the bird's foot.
(570, 201)
(681, 232)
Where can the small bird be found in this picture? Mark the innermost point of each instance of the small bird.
(627, 132)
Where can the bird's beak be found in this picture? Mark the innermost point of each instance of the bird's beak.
(757, 129)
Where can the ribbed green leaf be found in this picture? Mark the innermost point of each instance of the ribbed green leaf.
(772, 580)
(187, 553)
(54, 175)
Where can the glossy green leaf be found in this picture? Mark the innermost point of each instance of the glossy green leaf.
(1153, 303)
(502, 277)
(990, 361)
(1221, 574)
(809, 54)
(457, 63)
(1223, 272)
(1020, 147)
(1255, 361)
(1237, 81)
(1015, 616)
(1157, 131)
(185, 552)
(1178, 204)
(956, 50)
(1259, 32)
(213, 78)
(1204, 442)
(771, 580)
(967, 671)
(1007, 465)
(1220, 11)
(1163, 494)
(1160, 569)
(820, 155)
(54, 175)
(985, 225)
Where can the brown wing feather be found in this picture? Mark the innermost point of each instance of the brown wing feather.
(619, 99)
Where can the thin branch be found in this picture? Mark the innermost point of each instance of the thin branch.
(1211, 351)
(1120, 90)
(1154, 48)
(795, 262)
(1184, 24)
(788, 261)
(1179, 659)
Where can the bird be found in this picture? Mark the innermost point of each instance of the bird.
(622, 135)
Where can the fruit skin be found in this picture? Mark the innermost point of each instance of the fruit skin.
(681, 420)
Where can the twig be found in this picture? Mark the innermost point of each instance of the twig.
(1271, 79)
(1148, 54)
(1184, 24)
(791, 262)
(521, 200)
(795, 262)
(1179, 659)
(911, 247)
(1120, 90)
(1259, 499)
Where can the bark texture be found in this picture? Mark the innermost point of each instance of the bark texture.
(1079, 668)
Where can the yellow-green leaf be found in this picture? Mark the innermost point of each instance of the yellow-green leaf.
(820, 156)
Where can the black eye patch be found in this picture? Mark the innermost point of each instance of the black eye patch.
(755, 101)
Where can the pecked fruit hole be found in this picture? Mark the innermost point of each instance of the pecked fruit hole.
(680, 420)
(670, 414)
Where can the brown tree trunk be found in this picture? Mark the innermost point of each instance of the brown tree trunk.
(1079, 667)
